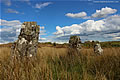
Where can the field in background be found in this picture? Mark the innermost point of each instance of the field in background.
(60, 63)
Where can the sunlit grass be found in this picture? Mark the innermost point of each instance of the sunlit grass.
(53, 63)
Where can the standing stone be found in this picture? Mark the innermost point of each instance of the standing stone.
(97, 49)
(75, 42)
(27, 42)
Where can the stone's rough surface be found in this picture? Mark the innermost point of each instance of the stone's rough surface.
(97, 49)
(75, 42)
(26, 45)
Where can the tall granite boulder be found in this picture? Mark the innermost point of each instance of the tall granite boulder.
(75, 42)
(27, 42)
(97, 49)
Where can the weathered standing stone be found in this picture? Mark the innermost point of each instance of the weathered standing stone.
(75, 42)
(97, 49)
(26, 45)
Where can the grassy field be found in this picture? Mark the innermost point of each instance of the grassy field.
(61, 63)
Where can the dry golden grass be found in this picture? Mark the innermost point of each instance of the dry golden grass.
(4, 53)
(51, 52)
(61, 64)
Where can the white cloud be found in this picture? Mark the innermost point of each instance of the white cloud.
(42, 27)
(113, 36)
(13, 23)
(10, 30)
(91, 29)
(42, 5)
(88, 26)
(116, 38)
(76, 15)
(113, 22)
(103, 12)
(42, 31)
(59, 30)
(12, 11)
(42, 39)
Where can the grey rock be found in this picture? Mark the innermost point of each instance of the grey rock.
(27, 42)
(75, 42)
(97, 49)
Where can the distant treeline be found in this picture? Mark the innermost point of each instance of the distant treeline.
(103, 44)
(90, 44)
(86, 44)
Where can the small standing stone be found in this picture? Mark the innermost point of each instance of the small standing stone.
(26, 45)
(97, 49)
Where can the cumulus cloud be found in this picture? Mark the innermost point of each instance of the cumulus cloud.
(113, 22)
(91, 29)
(88, 26)
(9, 30)
(59, 30)
(76, 15)
(103, 12)
(113, 36)
(42, 5)
(116, 38)
(13, 23)
(42, 31)
(42, 39)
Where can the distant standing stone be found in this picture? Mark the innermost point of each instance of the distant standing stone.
(97, 49)
(75, 42)
(27, 42)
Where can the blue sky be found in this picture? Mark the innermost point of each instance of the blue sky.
(90, 19)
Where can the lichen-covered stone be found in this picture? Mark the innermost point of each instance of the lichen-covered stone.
(97, 49)
(26, 45)
(75, 42)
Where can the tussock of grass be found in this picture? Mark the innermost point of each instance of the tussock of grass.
(61, 64)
